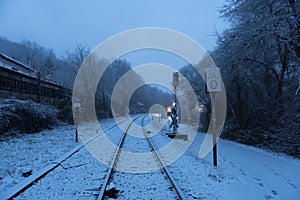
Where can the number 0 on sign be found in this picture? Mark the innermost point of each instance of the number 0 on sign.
(213, 79)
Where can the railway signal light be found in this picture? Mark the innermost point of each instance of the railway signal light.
(175, 84)
(175, 79)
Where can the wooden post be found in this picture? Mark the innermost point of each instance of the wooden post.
(76, 107)
(38, 99)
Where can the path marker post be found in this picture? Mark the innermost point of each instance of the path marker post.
(213, 85)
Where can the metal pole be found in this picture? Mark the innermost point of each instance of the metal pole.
(76, 135)
(214, 130)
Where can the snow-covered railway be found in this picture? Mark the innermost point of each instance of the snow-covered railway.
(77, 174)
(64, 161)
(244, 172)
(157, 184)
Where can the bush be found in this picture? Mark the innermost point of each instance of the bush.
(26, 116)
(65, 110)
(287, 142)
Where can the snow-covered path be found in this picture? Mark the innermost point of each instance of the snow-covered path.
(259, 174)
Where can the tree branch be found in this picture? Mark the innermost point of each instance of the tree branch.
(264, 64)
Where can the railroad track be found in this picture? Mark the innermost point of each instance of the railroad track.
(171, 189)
(164, 171)
(175, 185)
(20, 187)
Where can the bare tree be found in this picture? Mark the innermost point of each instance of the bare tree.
(30, 50)
(260, 59)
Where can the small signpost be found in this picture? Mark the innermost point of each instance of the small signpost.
(76, 107)
(213, 84)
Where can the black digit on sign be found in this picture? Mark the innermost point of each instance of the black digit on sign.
(213, 84)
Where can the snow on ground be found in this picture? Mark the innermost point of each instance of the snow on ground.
(152, 185)
(25, 152)
(243, 172)
(259, 174)
(78, 177)
(143, 186)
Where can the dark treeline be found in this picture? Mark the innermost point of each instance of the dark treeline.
(148, 95)
(139, 101)
(259, 56)
(198, 85)
(41, 59)
(63, 70)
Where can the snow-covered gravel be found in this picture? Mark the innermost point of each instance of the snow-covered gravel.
(243, 172)
(25, 152)
(152, 185)
(78, 177)
(136, 144)
(31, 152)
(143, 186)
(197, 177)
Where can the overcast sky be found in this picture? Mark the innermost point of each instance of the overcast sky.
(62, 24)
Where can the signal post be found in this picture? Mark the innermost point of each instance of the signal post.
(213, 85)
(174, 111)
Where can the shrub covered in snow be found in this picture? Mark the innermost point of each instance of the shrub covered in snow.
(26, 116)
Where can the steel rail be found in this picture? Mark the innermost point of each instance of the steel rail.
(20, 187)
(101, 195)
(172, 180)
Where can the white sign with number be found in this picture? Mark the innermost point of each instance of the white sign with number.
(76, 105)
(213, 79)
